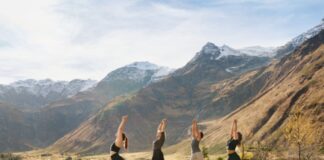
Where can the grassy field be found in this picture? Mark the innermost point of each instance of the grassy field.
(40, 155)
(35, 155)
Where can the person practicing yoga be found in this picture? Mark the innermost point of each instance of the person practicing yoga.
(158, 143)
(235, 140)
(196, 138)
(121, 140)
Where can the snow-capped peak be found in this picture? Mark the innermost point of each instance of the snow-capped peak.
(159, 71)
(307, 35)
(290, 46)
(145, 65)
(210, 48)
(138, 71)
(213, 52)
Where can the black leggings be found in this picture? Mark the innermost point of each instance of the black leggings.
(233, 156)
(116, 156)
(157, 155)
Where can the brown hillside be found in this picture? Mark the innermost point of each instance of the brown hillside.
(268, 95)
(190, 92)
(295, 81)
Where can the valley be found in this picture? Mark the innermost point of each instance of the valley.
(219, 84)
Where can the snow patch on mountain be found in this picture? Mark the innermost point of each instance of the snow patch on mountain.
(259, 51)
(161, 73)
(226, 51)
(234, 68)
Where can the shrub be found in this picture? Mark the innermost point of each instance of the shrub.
(9, 156)
(205, 152)
(68, 158)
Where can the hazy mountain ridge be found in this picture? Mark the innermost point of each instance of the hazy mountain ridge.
(32, 94)
(57, 118)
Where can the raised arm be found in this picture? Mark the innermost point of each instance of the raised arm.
(159, 129)
(234, 130)
(120, 131)
(158, 143)
(164, 124)
(194, 129)
(197, 132)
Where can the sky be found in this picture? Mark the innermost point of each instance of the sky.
(86, 39)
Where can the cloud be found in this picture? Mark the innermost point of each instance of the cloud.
(66, 39)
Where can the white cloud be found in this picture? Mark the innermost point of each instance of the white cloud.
(66, 39)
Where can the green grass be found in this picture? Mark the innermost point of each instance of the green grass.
(9, 156)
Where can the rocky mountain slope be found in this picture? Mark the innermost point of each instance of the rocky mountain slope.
(179, 97)
(295, 81)
(47, 124)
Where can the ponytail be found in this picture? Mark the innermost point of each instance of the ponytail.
(239, 138)
(126, 143)
(125, 139)
(240, 143)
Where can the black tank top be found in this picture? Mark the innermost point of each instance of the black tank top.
(157, 144)
(114, 148)
(231, 144)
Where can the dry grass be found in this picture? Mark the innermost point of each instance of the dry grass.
(36, 155)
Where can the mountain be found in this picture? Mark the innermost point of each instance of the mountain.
(216, 82)
(131, 78)
(45, 125)
(224, 60)
(295, 81)
(63, 116)
(205, 89)
(33, 94)
(290, 46)
(179, 97)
